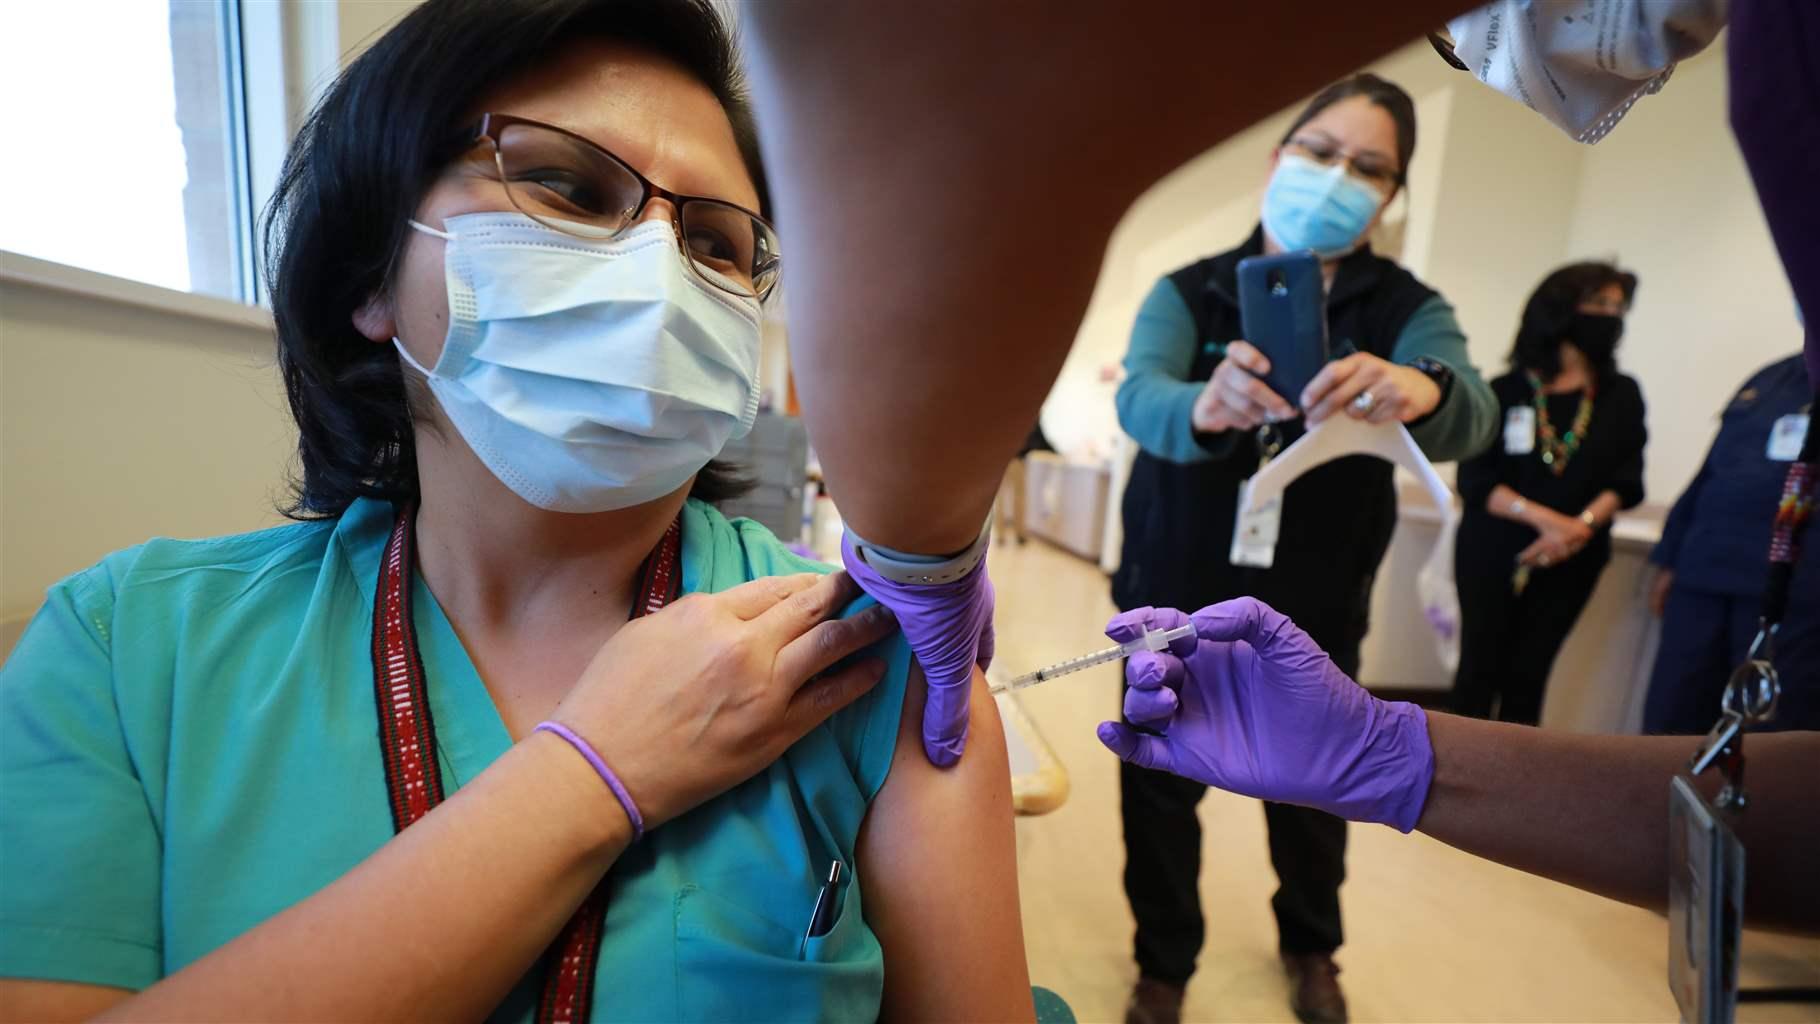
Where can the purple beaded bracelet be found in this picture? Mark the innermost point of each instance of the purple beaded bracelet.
(601, 769)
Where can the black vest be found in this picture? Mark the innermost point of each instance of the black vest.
(1337, 519)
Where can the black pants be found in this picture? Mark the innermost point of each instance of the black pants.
(1706, 635)
(1508, 641)
(1163, 868)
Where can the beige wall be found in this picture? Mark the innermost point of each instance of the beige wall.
(1668, 196)
(119, 423)
(362, 21)
(1503, 214)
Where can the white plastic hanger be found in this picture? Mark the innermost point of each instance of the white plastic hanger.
(1341, 435)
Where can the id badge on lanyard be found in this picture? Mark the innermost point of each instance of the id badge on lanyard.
(1706, 859)
(1786, 435)
(1254, 533)
(1705, 906)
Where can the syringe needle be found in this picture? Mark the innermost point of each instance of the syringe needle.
(1153, 640)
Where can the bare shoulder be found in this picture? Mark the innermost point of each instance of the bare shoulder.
(938, 871)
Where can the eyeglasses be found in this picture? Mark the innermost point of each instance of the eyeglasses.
(568, 183)
(1367, 167)
(1599, 304)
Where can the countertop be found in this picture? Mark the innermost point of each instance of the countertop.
(1637, 529)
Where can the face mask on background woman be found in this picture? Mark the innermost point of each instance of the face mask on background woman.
(1596, 336)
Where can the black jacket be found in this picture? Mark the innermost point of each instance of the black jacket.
(1610, 457)
(1717, 535)
(1337, 519)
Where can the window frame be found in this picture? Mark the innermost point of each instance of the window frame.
(275, 59)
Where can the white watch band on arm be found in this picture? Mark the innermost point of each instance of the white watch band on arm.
(923, 570)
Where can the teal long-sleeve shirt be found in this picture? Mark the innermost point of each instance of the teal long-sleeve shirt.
(1156, 399)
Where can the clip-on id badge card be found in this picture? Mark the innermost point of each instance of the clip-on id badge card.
(1254, 532)
(1785, 437)
(1705, 907)
(1520, 430)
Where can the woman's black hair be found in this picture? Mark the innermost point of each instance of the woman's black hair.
(1548, 316)
(355, 174)
(1382, 92)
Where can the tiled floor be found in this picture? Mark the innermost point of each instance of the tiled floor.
(1433, 934)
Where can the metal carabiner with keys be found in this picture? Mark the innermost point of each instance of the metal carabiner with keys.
(1270, 442)
(1750, 697)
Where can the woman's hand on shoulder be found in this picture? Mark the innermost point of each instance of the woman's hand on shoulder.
(686, 703)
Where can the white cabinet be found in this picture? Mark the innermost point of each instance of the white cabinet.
(1067, 503)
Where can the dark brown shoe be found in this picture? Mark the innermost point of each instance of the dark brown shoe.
(1155, 1002)
(1314, 988)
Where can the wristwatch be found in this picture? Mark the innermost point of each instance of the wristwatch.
(1437, 371)
(1587, 517)
(922, 570)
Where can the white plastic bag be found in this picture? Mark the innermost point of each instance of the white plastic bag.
(1441, 598)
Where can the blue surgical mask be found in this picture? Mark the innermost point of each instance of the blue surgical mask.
(1308, 206)
(589, 375)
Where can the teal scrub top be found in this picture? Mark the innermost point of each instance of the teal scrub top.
(188, 745)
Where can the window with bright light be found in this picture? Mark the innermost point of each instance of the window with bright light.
(126, 145)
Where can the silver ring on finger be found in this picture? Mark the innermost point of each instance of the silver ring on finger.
(1364, 402)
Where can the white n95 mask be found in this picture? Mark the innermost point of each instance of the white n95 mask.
(589, 375)
(1582, 65)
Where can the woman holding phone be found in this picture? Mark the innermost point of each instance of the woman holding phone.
(1195, 401)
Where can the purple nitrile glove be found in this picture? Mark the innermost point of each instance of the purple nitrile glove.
(1154, 678)
(949, 626)
(1257, 708)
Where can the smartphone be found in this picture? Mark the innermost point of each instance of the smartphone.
(1283, 312)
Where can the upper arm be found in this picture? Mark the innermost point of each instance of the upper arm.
(1629, 480)
(1640, 420)
(938, 875)
(1163, 336)
(1479, 476)
(79, 851)
(1155, 401)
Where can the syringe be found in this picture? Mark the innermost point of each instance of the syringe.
(1152, 640)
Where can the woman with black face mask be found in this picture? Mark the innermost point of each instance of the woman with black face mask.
(1536, 532)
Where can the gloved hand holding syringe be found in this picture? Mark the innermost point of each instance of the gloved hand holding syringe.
(1152, 640)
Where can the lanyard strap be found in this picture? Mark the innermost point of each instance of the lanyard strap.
(407, 736)
(1792, 514)
(407, 742)
(1752, 691)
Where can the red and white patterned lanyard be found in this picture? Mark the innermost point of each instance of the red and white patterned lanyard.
(407, 740)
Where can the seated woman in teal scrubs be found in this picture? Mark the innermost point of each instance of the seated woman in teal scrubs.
(513, 724)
